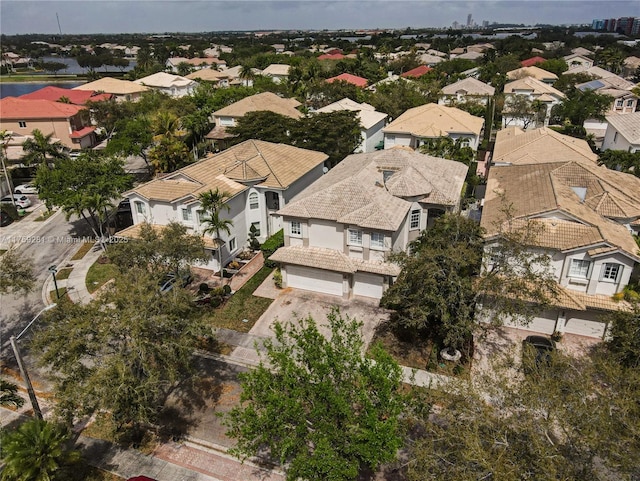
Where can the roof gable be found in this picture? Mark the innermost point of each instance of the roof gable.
(260, 102)
(432, 120)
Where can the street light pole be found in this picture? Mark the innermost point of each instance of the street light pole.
(22, 367)
(54, 269)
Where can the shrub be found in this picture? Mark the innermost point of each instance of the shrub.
(226, 289)
(217, 292)
(215, 301)
(277, 278)
(271, 245)
(204, 288)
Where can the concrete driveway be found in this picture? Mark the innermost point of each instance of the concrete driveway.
(293, 304)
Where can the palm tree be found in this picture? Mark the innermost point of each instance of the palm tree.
(9, 394)
(212, 203)
(40, 150)
(37, 451)
(246, 75)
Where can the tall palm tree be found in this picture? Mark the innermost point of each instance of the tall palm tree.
(212, 203)
(41, 150)
(9, 394)
(246, 75)
(37, 451)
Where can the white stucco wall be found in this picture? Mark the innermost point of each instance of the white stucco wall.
(614, 141)
(326, 234)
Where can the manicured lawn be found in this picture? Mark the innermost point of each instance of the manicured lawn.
(99, 274)
(61, 290)
(82, 251)
(242, 305)
(63, 273)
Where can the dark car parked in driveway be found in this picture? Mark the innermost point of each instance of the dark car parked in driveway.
(170, 280)
(537, 351)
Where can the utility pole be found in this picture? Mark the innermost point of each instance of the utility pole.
(58, 19)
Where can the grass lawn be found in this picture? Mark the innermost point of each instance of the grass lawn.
(61, 290)
(419, 353)
(99, 274)
(44, 216)
(82, 251)
(242, 305)
(63, 273)
(104, 428)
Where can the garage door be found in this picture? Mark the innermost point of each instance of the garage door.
(316, 280)
(585, 328)
(543, 324)
(367, 285)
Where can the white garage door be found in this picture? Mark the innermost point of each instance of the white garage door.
(368, 285)
(316, 280)
(543, 324)
(585, 328)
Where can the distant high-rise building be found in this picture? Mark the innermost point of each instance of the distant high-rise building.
(469, 20)
(455, 25)
(635, 28)
(485, 23)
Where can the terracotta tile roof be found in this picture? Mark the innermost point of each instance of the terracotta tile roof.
(599, 302)
(331, 259)
(263, 101)
(355, 191)
(273, 165)
(534, 72)
(516, 146)
(22, 109)
(530, 62)
(78, 134)
(468, 86)
(54, 94)
(196, 62)
(113, 86)
(347, 77)
(531, 84)
(417, 72)
(433, 120)
(133, 232)
(628, 125)
(331, 56)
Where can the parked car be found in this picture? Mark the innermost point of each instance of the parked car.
(170, 280)
(5, 219)
(537, 351)
(26, 189)
(20, 200)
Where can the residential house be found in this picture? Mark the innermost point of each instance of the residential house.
(217, 78)
(587, 214)
(530, 62)
(278, 72)
(630, 67)
(577, 61)
(228, 116)
(466, 90)
(430, 59)
(349, 78)
(331, 56)
(534, 90)
(278, 47)
(195, 63)
(260, 178)
(121, 90)
(372, 122)
(75, 97)
(470, 55)
(417, 72)
(339, 232)
(67, 122)
(454, 52)
(582, 51)
(623, 133)
(172, 85)
(480, 47)
(535, 72)
(236, 78)
(432, 121)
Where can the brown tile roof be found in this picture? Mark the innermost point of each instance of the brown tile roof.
(23, 109)
(469, 85)
(355, 191)
(272, 165)
(133, 232)
(113, 86)
(516, 146)
(536, 86)
(433, 120)
(331, 259)
(207, 74)
(628, 125)
(531, 71)
(259, 102)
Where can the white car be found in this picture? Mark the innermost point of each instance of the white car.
(26, 189)
(20, 200)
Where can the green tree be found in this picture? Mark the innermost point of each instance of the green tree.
(132, 137)
(16, 272)
(317, 405)
(54, 67)
(169, 155)
(621, 160)
(109, 114)
(579, 105)
(447, 148)
(37, 451)
(130, 349)
(212, 204)
(9, 396)
(611, 58)
(395, 98)
(168, 249)
(42, 150)
(556, 65)
(86, 186)
(184, 68)
(523, 111)
(263, 125)
(624, 335)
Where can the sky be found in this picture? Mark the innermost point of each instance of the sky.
(158, 16)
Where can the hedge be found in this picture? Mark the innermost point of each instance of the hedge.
(271, 245)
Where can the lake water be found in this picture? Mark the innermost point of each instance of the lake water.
(22, 88)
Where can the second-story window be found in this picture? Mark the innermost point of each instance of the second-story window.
(610, 272)
(377, 240)
(579, 268)
(187, 215)
(140, 208)
(295, 228)
(253, 201)
(355, 237)
(22, 124)
(414, 221)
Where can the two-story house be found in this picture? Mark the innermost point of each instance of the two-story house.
(172, 85)
(466, 90)
(533, 90)
(260, 178)
(121, 90)
(371, 120)
(623, 133)
(431, 121)
(67, 122)
(537, 73)
(340, 230)
(217, 78)
(587, 214)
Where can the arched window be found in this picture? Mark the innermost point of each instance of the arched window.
(253, 201)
